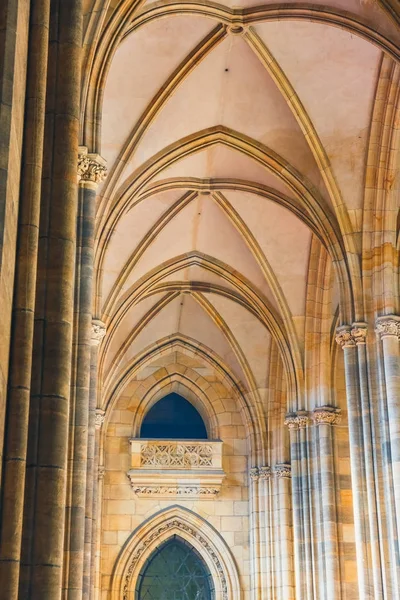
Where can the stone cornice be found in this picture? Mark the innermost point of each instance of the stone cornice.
(98, 332)
(388, 325)
(326, 415)
(91, 167)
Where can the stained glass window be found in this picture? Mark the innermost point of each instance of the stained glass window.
(173, 417)
(175, 571)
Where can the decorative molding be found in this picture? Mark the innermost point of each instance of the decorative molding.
(98, 332)
(283, 471)
(101, 472)
(388, 325)
(298, 420)
(99, 418)
(176, 455)
(91, 167)
(185, 491)
(327, 415)
(183, 468)
(178, 524)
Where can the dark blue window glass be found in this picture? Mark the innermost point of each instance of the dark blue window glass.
(173, 417)
(175, 571)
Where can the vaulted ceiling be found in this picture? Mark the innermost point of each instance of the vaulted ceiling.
(236, 138)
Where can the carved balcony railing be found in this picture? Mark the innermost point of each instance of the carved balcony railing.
(180, 468)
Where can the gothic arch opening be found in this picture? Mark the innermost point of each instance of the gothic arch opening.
(175, 570)
(173, 417)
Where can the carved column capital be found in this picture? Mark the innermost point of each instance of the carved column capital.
(388, 325)
(99, 418)
(359, 333)
(327, 415)
(98, 332)
(91, 167)
(264, 472)
(254, 474)
(298, 420)
(283, 471)
(344, 337)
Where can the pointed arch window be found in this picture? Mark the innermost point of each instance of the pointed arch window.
(173, 417)
(175, 571)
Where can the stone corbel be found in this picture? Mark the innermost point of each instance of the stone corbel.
(99, 419)
(92, 168)
(98, 332)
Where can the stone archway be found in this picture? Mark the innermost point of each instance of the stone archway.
(189, 526)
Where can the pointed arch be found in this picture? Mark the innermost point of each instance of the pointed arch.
(191, 527)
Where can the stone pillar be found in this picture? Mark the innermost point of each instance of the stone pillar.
(91, 172)
(95, 576)
(265, 530)
(352, 341)
(98, 333)
(283, 547)
(254, 477)
(19, 382)
(51, 372)
(301, 489)
(388, 329)
(324, 418)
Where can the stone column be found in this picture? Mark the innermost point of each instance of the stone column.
(19, 383)
(283, 547)
(352, 341)
(91, 172)
(95, 576)
(98, 333)
(254, 476)
(325, 417)
(301, 489)
(388, 329)
(265, 530)
(52, 354)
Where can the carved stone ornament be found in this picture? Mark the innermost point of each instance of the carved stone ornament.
(91, 167)
(177, 455)
(283, 471)
(101, 472)
(254, 474)
(161, 530)
(388, 326)
(298, 420)
(327, 415)
(98, 332)
(182, 491)
(291, 421)
(264, 472)
(99, 418)
(344, 337)
(359, 333)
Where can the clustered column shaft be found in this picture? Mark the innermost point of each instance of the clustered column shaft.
(18, 397)
(91, 172)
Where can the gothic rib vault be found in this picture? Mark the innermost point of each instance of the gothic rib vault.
(200, 198)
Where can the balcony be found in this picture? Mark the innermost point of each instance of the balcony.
(175, 468)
